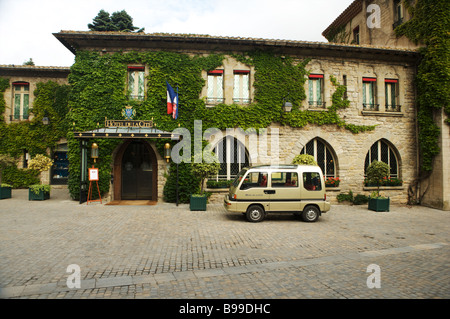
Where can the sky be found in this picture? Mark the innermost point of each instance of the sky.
(27, 26)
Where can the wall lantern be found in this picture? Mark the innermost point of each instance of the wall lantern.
(167, 152)
(94, 152)
(287, 106)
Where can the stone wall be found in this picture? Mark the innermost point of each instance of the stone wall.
(397, 129)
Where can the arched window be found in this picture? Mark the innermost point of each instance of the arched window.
(323, 155)
(383, 152)
(233, 156)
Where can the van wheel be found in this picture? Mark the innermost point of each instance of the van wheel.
(310, 214)
(255, 214)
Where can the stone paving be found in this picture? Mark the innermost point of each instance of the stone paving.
(165, 251)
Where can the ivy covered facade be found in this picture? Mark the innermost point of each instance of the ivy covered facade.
(351, 105)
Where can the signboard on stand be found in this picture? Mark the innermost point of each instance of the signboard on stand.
(93, 177)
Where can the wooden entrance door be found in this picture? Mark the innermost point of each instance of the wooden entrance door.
(137, 172)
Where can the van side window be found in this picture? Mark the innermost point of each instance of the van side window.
(254, 179)
(284, 179)
(312, 182)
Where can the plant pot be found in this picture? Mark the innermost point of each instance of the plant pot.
(379, 204)
(41, 195)
(5, 192)
(198, 202)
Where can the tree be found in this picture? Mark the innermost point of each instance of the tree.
(205, 166)
(118, 21)
(376, 172)
(29, 62)
(102, 22)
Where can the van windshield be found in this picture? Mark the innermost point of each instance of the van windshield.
(239, 177)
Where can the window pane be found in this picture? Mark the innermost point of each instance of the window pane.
(141, 88)
(284, 179)
(384, 152)
(17, 106)
(321, 155)
(329, 164)
(246, 88)
(374, 152)
(311, 181)
(131, 83)
(26, 102)
(254, 179)
(236, 89)
(394, 166)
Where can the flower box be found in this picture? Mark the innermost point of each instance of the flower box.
(39, 192)
(332, 182)
(198, 202)
(379, 204)
(5, 192)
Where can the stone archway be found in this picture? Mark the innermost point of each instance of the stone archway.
(135, 172)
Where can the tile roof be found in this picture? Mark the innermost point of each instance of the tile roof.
(206, 37)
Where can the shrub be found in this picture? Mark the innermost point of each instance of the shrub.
(304, 159)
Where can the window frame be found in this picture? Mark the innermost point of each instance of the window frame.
(316, 84)
(391, 88)
(226, 160)
(381, 146)
(21, 94)
(371, 95)
(134, 93)
(241, 92)
(215, 93)
(327, 150)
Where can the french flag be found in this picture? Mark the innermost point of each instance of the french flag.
(172, 101)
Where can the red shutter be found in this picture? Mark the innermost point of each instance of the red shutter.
(215, 72)
(241, 71)
(369, 79)
(136, 68)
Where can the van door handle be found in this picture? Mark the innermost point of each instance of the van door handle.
(269, 191)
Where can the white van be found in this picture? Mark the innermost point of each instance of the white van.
(298, 189)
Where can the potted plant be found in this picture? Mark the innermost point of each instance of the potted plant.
(41, 164)
(5, 189)
(376, 172)
(203, 167)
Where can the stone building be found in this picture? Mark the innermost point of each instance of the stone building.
(372, 23)
(380, 91)
(19, 98)
(377, 69)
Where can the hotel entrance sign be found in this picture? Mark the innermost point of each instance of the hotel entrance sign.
(128, 123)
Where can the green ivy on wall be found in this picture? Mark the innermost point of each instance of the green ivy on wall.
(98, 85)
(430, 27)
(32, 135)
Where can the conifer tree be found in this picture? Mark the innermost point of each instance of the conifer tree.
(118, 21)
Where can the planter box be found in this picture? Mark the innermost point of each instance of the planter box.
(5, 192)
(40, 196)
(198, 202)
(379, 204)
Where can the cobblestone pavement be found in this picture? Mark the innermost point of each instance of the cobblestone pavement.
(165, 251)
